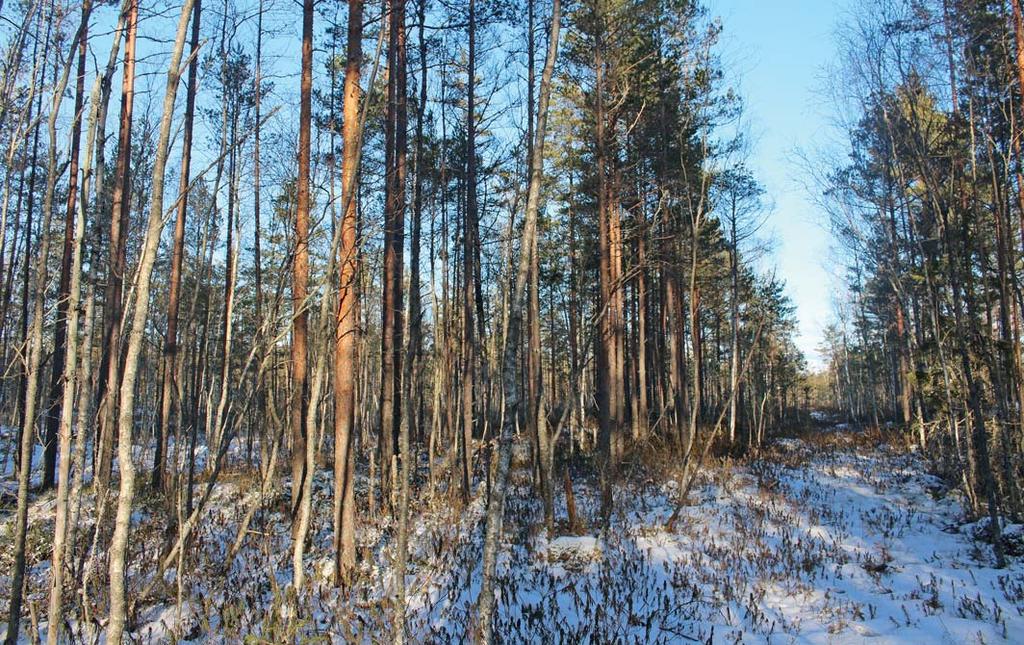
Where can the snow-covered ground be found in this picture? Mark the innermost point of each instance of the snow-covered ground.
(828, 538)
(811, 543)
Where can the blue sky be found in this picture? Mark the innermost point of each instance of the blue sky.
(777, 52)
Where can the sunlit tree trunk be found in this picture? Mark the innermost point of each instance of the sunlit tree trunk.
(300, 265)
(603, 341)
(125, 423)
(347, 323)
(110, 358)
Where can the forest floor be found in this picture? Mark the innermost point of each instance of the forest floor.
(833, 535)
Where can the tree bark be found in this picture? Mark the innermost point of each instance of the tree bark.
(734, 324)
(495, 506)
(170, 353)
(469, 357)
(300, 265)
(604, 340)
(110, 361)
(122, 521)
(26, 266)
(60, 333)
(535, 415)
(34, 364)
(72, 266)
(394, 236)
(347, 329)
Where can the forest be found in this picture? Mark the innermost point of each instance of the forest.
(339, 321)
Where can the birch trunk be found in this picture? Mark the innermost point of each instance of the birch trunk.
(485, 605)
(126, 493)
(34, 366)
(72, 267)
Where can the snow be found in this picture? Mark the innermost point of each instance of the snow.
(822, 538)
(811, 544)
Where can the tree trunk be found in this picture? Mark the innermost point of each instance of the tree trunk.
(469, 358)
(603, 340)
(257, 198)
(697, 360)
(110, 361)
(35, 350)
(734, 325)
(415, 322)
(300, 265)
(495, 506)
(347, 323)
(60, 333)
(72, 266)
(29, 217)
(119, 541)
(170, 353)
(535, 415)
(394, 235)
(642, 419)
